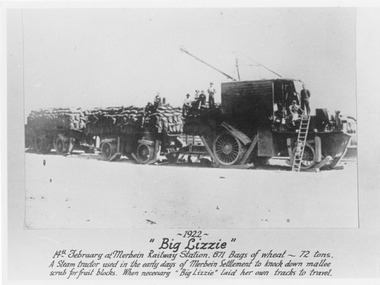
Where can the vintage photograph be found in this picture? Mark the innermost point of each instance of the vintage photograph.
(178, 118)
(149, 143)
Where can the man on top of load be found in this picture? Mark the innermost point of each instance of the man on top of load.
(202, 100)
(186, 105)
(157, 100)
(211, 92)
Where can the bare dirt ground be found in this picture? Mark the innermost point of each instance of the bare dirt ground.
(80, 191)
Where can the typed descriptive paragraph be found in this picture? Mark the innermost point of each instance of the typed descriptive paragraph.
(191, 254)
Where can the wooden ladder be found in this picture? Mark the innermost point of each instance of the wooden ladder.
(301, 142)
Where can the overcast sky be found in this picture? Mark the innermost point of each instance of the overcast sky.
(113, 57)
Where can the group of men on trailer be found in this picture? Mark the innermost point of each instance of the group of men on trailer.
(199, 101)
(297, 103)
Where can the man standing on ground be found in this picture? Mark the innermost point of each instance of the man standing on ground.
(305, 96)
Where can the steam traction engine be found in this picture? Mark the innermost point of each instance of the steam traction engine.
(253, 124)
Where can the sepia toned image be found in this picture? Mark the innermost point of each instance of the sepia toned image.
(176, 118)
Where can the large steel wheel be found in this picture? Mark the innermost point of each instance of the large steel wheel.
(108, 149)
(61, 147)
(308, 158)
(144, 153)
(227, 149)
